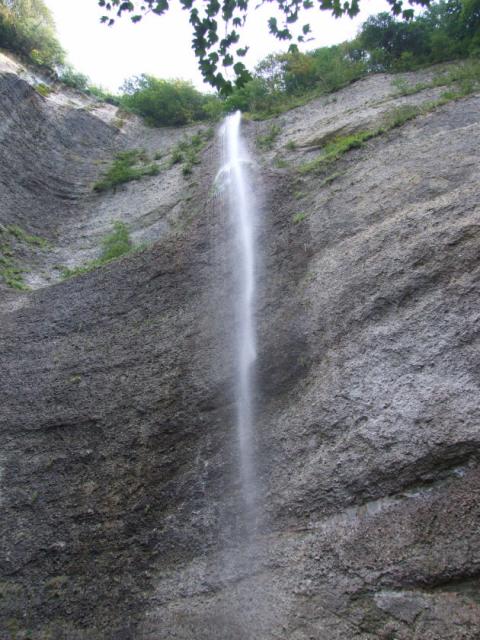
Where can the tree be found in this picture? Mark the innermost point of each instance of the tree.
(214, 51)
(27, 27)
(388, 40)
(164, 102)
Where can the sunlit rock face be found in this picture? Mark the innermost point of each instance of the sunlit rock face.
(119, 470)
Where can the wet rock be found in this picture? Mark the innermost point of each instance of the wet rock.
(119, 480)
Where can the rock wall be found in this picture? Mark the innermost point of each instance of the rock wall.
(119, 487)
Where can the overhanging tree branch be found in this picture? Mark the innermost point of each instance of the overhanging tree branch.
(214, 52)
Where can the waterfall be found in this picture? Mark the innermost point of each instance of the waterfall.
(241, 208)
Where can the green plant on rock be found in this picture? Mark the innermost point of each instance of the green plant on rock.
(299, 217)
(117, 243)
(22, 236)
(114, 245)
(329, 179)
(127, 166)
(335, 149)
(11, 270)
(280, 163)
(464, 76)
(187, 151)
(399, 116)
(43, 89)
(117, 122)
(267, 140)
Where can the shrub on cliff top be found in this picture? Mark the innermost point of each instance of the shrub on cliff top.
(166, 102)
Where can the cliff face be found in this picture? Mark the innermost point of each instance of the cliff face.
(119, 490)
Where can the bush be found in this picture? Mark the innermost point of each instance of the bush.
(187, 151)
(283, 81)
(447, 30)
(11, 270)
(114, 245)
(166, 102)
(79, 81)
(127, 166)
(256, 96)
(28, 29)
(74, 79)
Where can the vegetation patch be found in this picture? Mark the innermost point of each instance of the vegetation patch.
(22, 236)
(118, 122)
(11, 269)
(298, 195)
(330, 178)
(127, 166)
(465, 76)
(299, 217)
(187, 151)
(168, 102)
(43, 89)
(267, 140)
(280, 163)
(11, 272)
(334, 150)
(76, 80)
(400, 115)
(28, 29)
(114, 245)
(445, 31)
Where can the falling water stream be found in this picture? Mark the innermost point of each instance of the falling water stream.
(242, 212)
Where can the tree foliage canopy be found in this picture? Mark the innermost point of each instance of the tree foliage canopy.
(27, 27)
(447, 30)
(216, 26)
(165, 102)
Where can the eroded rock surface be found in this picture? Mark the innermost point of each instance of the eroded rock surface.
(119, 486)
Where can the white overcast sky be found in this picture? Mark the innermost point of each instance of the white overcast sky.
(160, 45)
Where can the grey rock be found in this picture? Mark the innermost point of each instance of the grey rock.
(119, 484)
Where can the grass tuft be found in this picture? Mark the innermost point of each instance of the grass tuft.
(114, 245)
(333, 150)
(399, 116)
(43, 89)
(127, 166)
(11, 270)
(187, 151)
(299, 217)
(465, 77)
(22, 236)
(267, 141)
